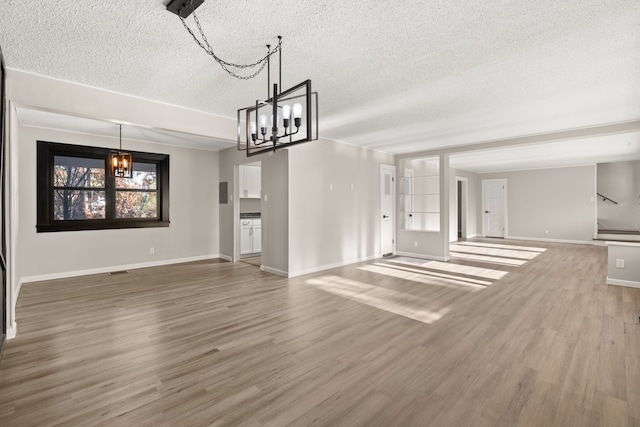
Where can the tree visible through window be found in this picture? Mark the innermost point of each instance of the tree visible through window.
(79, 188)
(77, 192)
(136, 196)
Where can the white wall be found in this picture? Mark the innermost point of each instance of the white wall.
(561, 201)
(193, 232)
(620, 182)
(630, 254)
(330, 223)
(275, 212)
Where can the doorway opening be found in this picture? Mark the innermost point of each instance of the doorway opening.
(461, 208)
(249, 196)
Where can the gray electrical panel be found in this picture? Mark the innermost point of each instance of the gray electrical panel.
(223, 192)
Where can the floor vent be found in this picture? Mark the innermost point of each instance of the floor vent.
(113, 273)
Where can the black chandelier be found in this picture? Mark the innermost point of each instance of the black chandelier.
(121, 162)
(285, 118)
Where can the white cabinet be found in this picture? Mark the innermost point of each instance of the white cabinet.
(257, 235)
(250, 236)
(250, 182)
(246, 236)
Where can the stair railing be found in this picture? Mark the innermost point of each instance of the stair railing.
(605, 198)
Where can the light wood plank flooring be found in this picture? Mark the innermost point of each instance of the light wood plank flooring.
(507, 334)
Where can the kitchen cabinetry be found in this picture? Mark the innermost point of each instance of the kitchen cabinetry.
(250, 236)
(250, 182)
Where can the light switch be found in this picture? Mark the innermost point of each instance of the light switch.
(619, 263)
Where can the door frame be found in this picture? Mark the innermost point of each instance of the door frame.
(464, 209)
(504, 208)
(391, 168)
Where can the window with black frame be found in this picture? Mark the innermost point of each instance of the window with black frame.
(77, 192)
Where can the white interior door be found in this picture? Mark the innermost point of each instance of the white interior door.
(494, 207)
(387, 208)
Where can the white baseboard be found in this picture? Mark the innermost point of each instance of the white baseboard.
(629, 244)
(67, 274)
(627, 283)
(12, 330)
(18, 289)
(542, 239)
(473, 236)
(424, 256)
(333, 265)
(225, 257)
(274, 271)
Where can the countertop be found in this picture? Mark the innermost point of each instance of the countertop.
(249, 215)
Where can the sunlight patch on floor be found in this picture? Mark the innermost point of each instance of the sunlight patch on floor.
(505, 253)
(400, 303)
(422, 276)
(428, 273)
(499, 246)
(489, 259)
(467, 270)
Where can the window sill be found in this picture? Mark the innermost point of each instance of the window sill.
(78, 225)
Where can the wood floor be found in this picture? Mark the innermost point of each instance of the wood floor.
(524, 335)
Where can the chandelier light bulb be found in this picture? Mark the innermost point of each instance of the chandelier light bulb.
(297, 110)
(286, 112)
(263, 121)
(253, 127)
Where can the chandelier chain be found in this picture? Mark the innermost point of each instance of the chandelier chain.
(204, 45)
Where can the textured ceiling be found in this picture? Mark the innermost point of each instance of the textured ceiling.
(577, 152)
(393, 76)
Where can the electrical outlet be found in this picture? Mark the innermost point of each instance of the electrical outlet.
(152, 251)
(415, 243)
(619, 263)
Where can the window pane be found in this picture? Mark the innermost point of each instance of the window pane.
(78, 204)
(144, 177)
(78, 172)
(136, 204)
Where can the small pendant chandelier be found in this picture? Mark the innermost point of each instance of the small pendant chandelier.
(121, 162)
